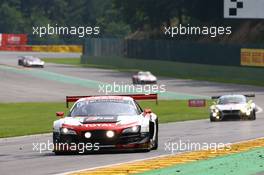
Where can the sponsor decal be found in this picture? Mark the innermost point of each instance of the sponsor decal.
(99, 125)
(100, 119)
(252, 57)
(197, 103)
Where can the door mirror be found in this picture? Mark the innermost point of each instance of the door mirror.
(60, 114)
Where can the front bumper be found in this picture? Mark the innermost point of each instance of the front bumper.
(231, 114)
(119, 142)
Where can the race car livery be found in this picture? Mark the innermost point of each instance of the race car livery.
(144, 78)
(233, 107)
(107, 122)
(30, 61)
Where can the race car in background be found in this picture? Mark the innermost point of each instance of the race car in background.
(30, 61)
(144, 78)
(107, 122)
(233, 107)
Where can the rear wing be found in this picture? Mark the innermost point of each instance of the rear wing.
(250, 95)
(134, 96)
(246, 95)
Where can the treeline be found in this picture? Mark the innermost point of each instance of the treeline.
(116, 18)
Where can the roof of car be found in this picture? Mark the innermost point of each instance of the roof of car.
(230, 96)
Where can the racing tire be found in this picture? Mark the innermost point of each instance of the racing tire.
(253, 115)
(212, 119)
(56, 152)
(156, 143)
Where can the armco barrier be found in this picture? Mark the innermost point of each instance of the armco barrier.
(57, 48)
(167, 50)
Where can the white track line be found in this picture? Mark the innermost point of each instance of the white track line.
(259, 110)
(136, 160)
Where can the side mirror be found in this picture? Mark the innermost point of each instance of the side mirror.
(60, 114)
(147, 111)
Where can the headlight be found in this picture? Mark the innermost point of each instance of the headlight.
(134, 129)
(88, 135)
(245, 110)
(110, 134)
(215, 112)
(67, 131)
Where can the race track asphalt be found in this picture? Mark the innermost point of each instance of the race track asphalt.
(53, 83)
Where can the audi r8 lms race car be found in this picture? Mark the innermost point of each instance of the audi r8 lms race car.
(106, 122)
(233, 107)
(144, 78)
(30, 61)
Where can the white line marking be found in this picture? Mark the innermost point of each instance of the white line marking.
(25, 136)
(136, 160)
(259, 110)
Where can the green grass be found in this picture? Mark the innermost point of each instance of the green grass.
(224, 74)
(17, 119)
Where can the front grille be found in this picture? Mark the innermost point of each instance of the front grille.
(231, 112)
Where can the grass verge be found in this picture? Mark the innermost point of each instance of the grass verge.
(224, 74)
(17, 119)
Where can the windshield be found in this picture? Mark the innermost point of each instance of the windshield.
(144, 73)
(104, 108)
(232, 99)
(33, 59)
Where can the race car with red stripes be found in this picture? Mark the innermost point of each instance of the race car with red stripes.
(106, 122)
(233, 106)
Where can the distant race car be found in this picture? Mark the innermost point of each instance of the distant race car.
(144, 78)
(30, 61)
(106, 122)
(233, 107)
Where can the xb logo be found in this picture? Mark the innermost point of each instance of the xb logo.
(238, 5)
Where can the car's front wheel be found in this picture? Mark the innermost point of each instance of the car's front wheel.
(156, 141)
(253, 115)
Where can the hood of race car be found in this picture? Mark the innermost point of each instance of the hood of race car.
(119, 120)
(231, 106)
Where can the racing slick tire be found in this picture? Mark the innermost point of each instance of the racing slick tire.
(56, 151)
(212, 119)
(253, 115)
(156, 142)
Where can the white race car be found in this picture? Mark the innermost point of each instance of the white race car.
(144, 78)
(233, 107)
(30, 61)
(106, 122)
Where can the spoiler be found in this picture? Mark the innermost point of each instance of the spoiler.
(134, 96)
(250, 95)
(246, 95)
(215, 97)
